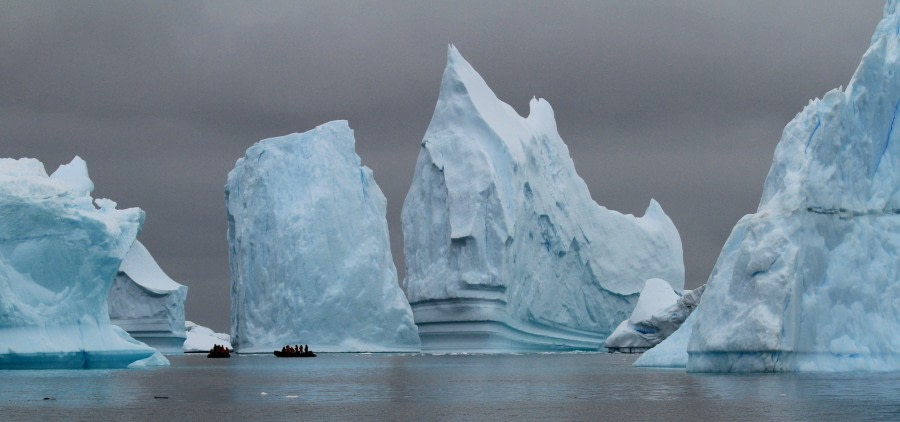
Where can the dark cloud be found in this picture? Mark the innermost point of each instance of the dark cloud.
(680, 101)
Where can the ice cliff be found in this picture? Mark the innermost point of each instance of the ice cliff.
(505, 249)
(309, 251)
(811, 281)
(146, 303)
(659, 312)
(59, 254)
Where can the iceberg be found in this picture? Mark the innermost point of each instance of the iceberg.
(59, 253)
(810, 281)
(659, 313)
(146, 303)
(201, 339)
(309, 251)
(505, 249)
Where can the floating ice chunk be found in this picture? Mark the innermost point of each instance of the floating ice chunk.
(202, 339)
(659, 312)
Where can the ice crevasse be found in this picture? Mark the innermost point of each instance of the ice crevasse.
(59, 254)
(309, 251)
(811, 281)
(505, 249)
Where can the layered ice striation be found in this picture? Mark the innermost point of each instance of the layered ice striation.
(505, 249)
(310, 257)
(59, 253)
(201, 339)
(811, 281)
(659, 312)
(146, 303)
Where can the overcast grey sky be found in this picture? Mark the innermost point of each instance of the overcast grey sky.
(683, 101)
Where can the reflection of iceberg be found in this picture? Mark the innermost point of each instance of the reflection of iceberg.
(310, 257)
(659, 313)
(59, 254)
(202, 339)
(811, 281)
(505, 249)
(146, 303)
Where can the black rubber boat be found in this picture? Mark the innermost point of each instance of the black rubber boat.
(281, 354)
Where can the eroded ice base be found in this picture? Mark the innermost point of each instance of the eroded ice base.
(480, 326)
(58, 348)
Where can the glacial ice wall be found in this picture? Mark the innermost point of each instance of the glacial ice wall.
(146, 303)
(811, 281)
(505, 249)
(309, 251)
(59, 254)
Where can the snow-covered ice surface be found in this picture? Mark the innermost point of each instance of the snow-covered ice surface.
(505, 249)
(659, 312)
(811, 281)
(146, 303)
(202, 339)
(309, 251)
(59, 254)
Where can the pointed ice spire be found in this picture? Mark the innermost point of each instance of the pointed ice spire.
(75, 177)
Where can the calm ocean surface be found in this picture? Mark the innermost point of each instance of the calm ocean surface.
(588, 386)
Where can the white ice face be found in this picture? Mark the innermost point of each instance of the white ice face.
(59, 254)
(810, 282)
(308, 242)
(505, 249)
(146, 303)
(202, 339)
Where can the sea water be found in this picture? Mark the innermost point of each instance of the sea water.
(579, 386)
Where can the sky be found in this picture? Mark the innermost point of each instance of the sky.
(681, 101)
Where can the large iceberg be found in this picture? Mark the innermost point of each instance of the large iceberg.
(59, 254)
(146, 303)
(811, 281)
(659, 312)
(309, 251)
(505, 249)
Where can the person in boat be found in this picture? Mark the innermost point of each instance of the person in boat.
(305, 348)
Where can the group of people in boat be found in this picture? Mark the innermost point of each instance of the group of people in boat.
(295, 349)
(218, 348)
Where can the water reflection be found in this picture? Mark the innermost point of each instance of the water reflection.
(556, 386)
